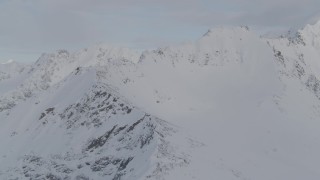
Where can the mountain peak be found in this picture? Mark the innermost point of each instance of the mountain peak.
(311, 33)
(313, 26)
(223, 29)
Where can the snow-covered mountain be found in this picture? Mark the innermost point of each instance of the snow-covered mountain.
(230, 106)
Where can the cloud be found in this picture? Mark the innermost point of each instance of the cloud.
(32, 26)
(289, 13)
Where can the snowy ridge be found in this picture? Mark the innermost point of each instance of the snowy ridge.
(230, 106)
(52, 68)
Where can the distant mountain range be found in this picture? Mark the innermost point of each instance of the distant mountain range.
(229, 106)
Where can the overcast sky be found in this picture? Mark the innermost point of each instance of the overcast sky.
(30, 27)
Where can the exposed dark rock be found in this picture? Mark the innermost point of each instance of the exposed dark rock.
(313, 84)
(135, 124)
(49, 110)
(99, 142)
(42, 116)
(100, 164)
(279, 56)
(51, 176)
(119, 129)
(82, 177)
(124, 163)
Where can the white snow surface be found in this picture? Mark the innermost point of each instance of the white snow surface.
(230, 106)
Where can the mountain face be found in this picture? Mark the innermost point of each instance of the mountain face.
(231, 105)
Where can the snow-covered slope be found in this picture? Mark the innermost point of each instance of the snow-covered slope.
(229, 106)
(81, 128)
(11, 69)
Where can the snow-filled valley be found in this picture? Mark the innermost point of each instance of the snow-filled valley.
(230, 106)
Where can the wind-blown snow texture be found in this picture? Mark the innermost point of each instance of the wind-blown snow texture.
(230, 106)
